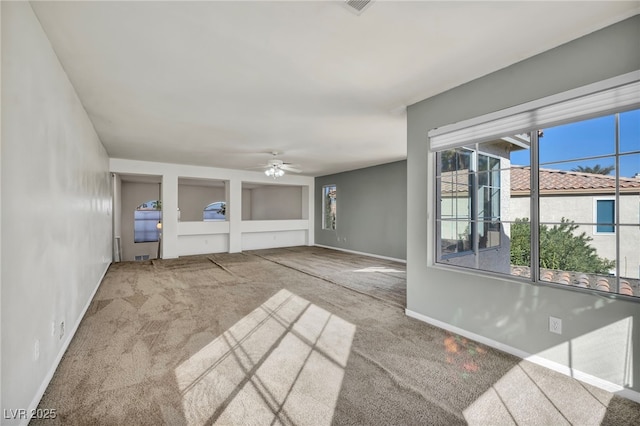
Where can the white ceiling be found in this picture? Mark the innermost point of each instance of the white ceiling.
(224, 83)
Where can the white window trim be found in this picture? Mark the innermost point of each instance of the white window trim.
(595, 214)
(600, 98)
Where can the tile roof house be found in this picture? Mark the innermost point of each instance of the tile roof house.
(561, 181)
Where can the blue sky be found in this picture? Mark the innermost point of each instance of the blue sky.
(589, 138)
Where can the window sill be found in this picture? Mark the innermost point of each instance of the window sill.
(520, 280)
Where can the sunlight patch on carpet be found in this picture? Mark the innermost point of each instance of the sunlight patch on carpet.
(529, 392)
(283, 362)
(519, 397)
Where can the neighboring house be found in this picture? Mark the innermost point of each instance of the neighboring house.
(590, 201)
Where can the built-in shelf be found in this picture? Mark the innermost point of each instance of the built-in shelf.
(273, 225)
(203, 228)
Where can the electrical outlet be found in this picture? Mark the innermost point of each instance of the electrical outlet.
(61, 329)
(36, 350)
(53, 328)
(555, 325)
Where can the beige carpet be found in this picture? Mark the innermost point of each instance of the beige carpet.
(300, 336)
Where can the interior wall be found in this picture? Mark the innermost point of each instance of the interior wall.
(173, 232)
(272, 202)
(134, 194)
(56, 210)
(371, 210)
(597, 331)
(246, 204)
(192, 200)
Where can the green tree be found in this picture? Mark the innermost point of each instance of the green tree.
(597, 169)
(521, 243)
(560, 248)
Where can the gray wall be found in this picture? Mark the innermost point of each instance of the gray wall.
(56, 210)
(511, 312)
(371, 214)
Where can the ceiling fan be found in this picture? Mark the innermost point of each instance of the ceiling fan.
(276, 168)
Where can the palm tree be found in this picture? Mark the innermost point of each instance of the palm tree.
(597, 169)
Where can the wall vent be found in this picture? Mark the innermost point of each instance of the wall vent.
(142, 257)
(358, 6)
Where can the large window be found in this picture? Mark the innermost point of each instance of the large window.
(147, 222)
(329, 205)
(559, 203)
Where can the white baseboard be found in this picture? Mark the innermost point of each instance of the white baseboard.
(552, 365)
(45, 383)
(362, 253)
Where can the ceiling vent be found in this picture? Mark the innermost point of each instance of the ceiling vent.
(358, 6)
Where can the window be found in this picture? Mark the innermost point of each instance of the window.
(605, 214)
(455, 200)
(488, 190)
(537, 191)
(329, 207)
(215, 211)
(468, 179)
(146, 222)
(469, 185)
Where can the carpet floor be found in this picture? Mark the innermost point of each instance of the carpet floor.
(294, 336)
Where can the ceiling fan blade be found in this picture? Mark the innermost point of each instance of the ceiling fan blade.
(290, 169)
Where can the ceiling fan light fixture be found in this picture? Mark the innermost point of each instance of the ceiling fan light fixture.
(274, 172)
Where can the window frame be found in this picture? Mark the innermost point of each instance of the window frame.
(474, 219)
(439, 209)
(476, 185)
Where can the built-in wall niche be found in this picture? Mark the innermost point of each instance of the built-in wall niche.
(202, 200)
(273, 202)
